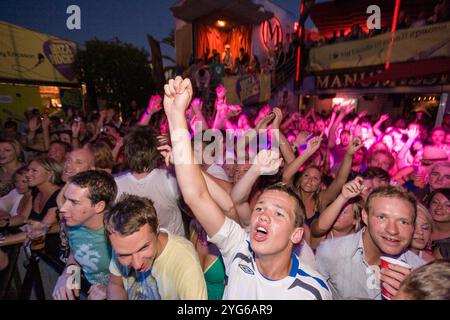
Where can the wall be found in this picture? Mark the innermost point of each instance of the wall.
(287, 20)
(16, 99)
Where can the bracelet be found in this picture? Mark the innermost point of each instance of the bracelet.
(73, 137)
(148, 113)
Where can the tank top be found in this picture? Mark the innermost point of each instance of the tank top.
(214, 278)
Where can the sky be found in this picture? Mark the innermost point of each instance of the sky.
(130, 20)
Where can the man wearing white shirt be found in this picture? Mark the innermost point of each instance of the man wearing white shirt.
(145, 180)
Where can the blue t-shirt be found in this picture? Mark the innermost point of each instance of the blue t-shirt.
(92, 252)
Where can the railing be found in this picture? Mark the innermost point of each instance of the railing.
(283, 74)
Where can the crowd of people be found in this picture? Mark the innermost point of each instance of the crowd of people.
(163, 204)
(207, 72)
(441, 13)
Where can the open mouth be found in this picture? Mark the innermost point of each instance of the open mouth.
(260, 234)
(391, 241)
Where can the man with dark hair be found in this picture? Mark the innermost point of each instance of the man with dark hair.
(373, 178)
(88, 196)
(148, 263)
(145, 180)
(429, 282)
(350, 263)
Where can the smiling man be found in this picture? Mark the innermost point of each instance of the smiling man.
(350, 263)
(149, 263)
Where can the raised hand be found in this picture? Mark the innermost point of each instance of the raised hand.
(234, 110)
(301, 138)
(353, 188)
(265, 121)
(384, 117)
(34, 124)
(278, 118)
(348, 108)
(221, 91)
(154, 104)
(413, 132)
(166, 153)
(196, 105)
(314, 144)
(177, 96)
(76, 128)
(362, 113)
(45, 121)
(355, 145)
(267, 162)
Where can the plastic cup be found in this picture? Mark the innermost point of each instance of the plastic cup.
(37, 235)
(385, 261)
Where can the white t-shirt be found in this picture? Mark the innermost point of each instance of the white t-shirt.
(10, 202)
(160, 187)
(246, 283)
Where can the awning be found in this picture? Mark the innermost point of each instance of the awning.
(411, 70)
(234, 11)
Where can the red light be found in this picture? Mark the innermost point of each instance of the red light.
(394, 27)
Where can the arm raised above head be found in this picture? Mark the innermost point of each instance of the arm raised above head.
(178, 95)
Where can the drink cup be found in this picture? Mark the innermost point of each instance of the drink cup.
(37, 235)
(385, 261)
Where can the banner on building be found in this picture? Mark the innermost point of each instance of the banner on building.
(29, 55)
(247, 90)
(410, 44)
(355, 80)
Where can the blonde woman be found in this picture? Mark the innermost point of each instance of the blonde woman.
(421, 242)
(44, 176)
(11, 159)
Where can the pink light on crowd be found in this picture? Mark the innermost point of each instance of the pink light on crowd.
(394, 27)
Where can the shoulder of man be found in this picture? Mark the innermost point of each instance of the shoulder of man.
(312, 281)
(413, 259)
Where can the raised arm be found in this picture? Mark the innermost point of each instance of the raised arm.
(196, 106)
(332, 134)
(376, 126)
(330, 124)
(341, 178)
(322, 225)
(154, 105)
(413, 133)
(45, 131)
(285, 147)
(358, 117)
(178, 94)
(294, 166)
(266, 162)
